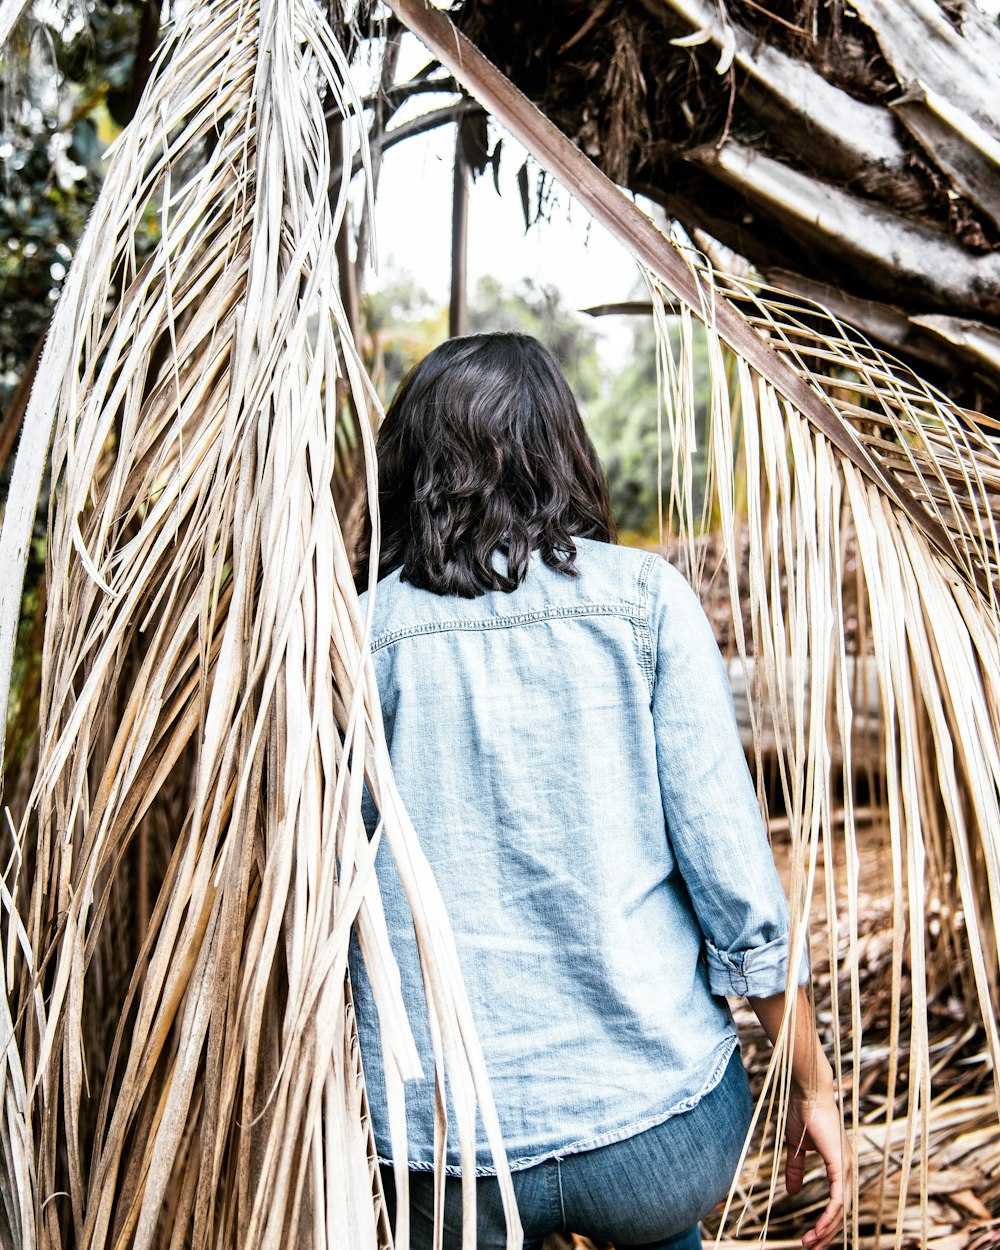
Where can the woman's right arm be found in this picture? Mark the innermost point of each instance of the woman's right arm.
(814, 1120)
(718, 836)
(713, 820)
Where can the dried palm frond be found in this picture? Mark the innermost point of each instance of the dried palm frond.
(964, 1136)
(934, 639)
(180, 1060)
(830, 435)
(203, 645)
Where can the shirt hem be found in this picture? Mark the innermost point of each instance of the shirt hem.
(608, 1138)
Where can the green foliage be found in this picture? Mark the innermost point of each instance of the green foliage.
(100, 60)
(623, 425)
(538, 309)
(619, 403)
(401, 325)
(75, 75)
(46, 198)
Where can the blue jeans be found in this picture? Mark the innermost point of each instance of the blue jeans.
(648, 1192)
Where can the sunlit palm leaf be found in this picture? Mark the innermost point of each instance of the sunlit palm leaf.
(829, 435)
(202, 646)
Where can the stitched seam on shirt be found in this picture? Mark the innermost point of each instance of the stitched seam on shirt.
(628, 610)
(553, 1201)
(648, 662)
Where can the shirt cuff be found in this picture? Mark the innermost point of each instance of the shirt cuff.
(757, 972)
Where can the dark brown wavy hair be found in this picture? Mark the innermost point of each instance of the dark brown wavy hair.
(482, 448)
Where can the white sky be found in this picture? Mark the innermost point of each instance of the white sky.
(413, 228)
(572, 252)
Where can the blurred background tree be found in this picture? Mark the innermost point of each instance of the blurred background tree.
(71, 89)
(618, 398)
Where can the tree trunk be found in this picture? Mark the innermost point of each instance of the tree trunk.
(459, 239)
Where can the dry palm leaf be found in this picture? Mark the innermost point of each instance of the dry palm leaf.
(193, 531)
(829, 433)
(203, 643)
(934, 639)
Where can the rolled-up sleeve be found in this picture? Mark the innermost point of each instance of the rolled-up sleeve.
(713, 820)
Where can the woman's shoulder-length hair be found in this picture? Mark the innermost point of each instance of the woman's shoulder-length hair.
(483, 447)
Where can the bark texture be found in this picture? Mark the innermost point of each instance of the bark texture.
(850, 154)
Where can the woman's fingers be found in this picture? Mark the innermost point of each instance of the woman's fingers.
(838, 1160)
(829, 1223)
(819, 1127)
(795, 1167)
(827, 1230)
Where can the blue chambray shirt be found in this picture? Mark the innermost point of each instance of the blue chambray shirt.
(570, 758)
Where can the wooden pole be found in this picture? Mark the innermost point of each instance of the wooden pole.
(457, 318)
(10, 425)
(149, 34)
(349, 293)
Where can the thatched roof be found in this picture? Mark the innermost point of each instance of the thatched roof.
(822, 142)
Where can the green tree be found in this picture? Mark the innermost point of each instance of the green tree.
(623, 425)
(401, 324)
(73, 92)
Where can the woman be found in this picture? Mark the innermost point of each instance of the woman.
(561, 729)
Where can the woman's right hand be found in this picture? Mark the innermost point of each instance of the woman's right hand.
(814, 1120)
(815, 1123)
